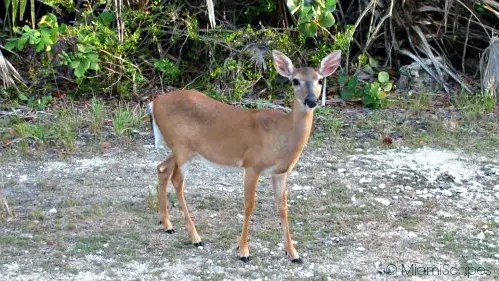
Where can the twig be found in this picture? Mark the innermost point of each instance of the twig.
(465, 46)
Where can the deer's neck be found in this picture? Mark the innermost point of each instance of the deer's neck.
(301, 123)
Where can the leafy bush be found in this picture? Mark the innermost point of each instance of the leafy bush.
(371, 94)
(42, 38)
(313, 14)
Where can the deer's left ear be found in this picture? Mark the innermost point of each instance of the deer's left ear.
(330, 63)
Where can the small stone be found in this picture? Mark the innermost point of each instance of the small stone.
(365, 180)
(307, 187)
(496, 187)
(419, 192)
(383, 201)
(361, 190)
(341, 170)
(360, 249)
(382, 185)
(496, 256)
(417, 203)
(293, 174)
(354, 200)
(118, 179)
(447, 192)
(200, 247)
(480, 236)
(213, 215)
(23, 178)
(53, 211)
(408, 187)
(296, 187)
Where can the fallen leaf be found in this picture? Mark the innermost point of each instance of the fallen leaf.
(388, 140)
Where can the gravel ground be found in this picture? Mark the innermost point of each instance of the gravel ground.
(397, 214)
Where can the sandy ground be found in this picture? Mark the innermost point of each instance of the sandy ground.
(398, 214)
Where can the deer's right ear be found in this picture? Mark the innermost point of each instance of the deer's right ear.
(283, 64)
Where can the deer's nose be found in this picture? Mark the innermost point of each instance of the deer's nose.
(310, 102)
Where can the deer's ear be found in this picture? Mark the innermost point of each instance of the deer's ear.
(330, 63)
(283, 64)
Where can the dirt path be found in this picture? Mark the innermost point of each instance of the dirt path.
(427, 213)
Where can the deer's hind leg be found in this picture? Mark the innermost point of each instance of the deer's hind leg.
(165, 172)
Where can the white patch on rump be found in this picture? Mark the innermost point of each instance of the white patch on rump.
(159, 141)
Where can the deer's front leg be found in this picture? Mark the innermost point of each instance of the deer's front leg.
(281, 199)
(250, 183)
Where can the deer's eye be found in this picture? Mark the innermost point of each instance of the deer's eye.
(320, 81)
(296, 82)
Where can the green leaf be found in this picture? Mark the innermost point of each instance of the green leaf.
(383, 77)
(330, 5)
(23, 97)
(75, 64)
(94, 66)
(326, 19)
(306, 13)
(308, 29)
(40, 46)
(387, 86)
(79, 72)
(85, 64)
(373, 62)
(12, 44)
(22, 8)
(15, 5)
(105, 18)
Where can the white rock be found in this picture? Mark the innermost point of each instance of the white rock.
(341, 170)
(417, 203)
(496, 256)
(360, 249)
(354, 200)
(365, 180)
(307, 187)
(445, 214)
(407, 187)
(496, 188)
(382, 185)
(23, 178)
(296, 187)
(53, 211)
(293, 174)
(213, 215)
(118, 179)
(419, 192)
(447, 192)
(383, 201)
(480, 236)
(411, 234)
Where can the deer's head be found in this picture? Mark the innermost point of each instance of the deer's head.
(307, 81)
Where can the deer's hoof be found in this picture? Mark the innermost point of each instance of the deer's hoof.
(245, 259)
(198, 244)
(297, 260)
(170, 231)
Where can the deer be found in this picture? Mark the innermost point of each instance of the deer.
(260, 141)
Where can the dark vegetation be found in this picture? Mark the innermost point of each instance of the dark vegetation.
(60, 54)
